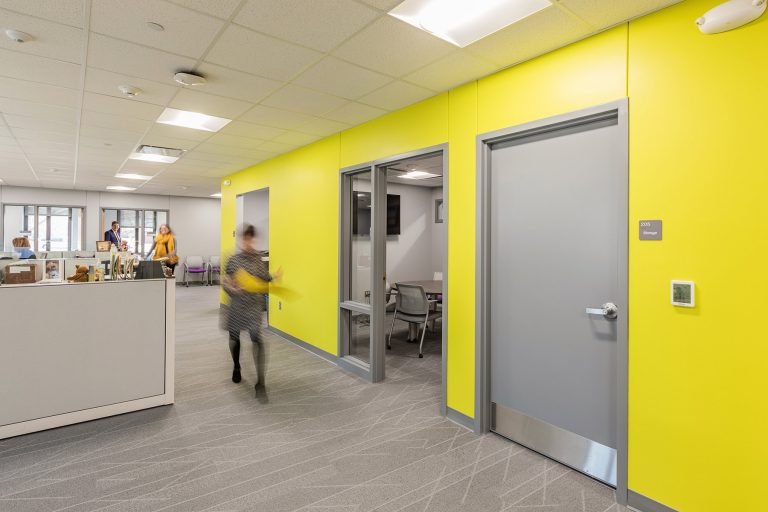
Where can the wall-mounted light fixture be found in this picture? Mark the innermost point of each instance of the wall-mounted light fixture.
(731, 15)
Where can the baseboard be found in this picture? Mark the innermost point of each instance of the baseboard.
(460, 418)
(643, 504)
(306, 346)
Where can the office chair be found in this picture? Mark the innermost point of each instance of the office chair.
(412, 306)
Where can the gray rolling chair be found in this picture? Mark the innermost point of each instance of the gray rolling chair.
(412, 306)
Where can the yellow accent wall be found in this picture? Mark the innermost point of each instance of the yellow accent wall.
(698, 109)
(698, 378)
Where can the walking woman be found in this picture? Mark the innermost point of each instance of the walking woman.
(245, 281)
(164, 247)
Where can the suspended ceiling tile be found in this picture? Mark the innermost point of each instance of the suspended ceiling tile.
(209, 104)
(393, 47)
(397, 95)
(340, 78)
(69, 12)
(41, 110)
(320, 25)
(43, 93)
(107, 83)
(134, 60)
(45, 136)
(256, 131)
(244, 49)
(235, 84)
(305, 101)
(543, 31)
(277, 147)
(51, 40)
(39, 69)
(133, 124)
(451, 71)
(120, 107)
(384, 5)
(322, 127)
(297, 138)
(220, 8)
(14, 121)
(186, 32)
(226, 139)
(177, 132)
(355, 113)
(601, 14)
(278, 118)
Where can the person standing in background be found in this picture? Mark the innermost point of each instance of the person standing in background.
(245, 280)
(164, 247)
(113, 235)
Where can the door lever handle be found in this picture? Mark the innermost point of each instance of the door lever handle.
(609, 310)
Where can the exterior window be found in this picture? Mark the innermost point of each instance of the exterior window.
(49, 228)
(137, 227)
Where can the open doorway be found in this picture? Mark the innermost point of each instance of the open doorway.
(393, 227)
(253, 208)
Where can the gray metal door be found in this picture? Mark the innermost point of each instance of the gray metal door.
(557, 298)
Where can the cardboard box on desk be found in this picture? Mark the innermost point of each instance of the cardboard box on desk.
(20, 274)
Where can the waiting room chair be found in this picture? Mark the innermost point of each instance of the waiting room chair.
(214, 267)
(412, 306)
(195, 265)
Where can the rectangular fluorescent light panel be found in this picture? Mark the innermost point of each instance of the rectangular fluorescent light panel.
(156, 154)
(217, 194)
(418, 175)
(120, 188)
(194, 120)
(461, 22)
(130, 176)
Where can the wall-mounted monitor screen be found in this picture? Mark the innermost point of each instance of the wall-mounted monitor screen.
(361, 214)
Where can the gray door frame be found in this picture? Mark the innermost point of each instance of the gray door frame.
(485, 143)
(378, 268)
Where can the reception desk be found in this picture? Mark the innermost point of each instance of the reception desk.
(73, 352)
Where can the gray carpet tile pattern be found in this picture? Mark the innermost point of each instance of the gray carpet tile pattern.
(325, 441)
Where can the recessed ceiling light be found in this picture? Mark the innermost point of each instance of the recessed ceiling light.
(131, 176)
(193, 120)
(418, 175)
(190, 79)
(217, 194)
(120, 188)
(156, 154)
(183, 187)
(462, 23)
(155, 26)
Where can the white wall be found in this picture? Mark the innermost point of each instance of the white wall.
(417, 252)
(256, 212)
(196, 222)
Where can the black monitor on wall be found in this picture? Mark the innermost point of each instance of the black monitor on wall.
(361, 214)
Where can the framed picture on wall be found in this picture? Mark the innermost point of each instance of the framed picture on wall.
(438, 211)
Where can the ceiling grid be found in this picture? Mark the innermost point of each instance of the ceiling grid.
(288, 72)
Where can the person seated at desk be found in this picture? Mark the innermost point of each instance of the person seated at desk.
(113, 235)
(23, 249)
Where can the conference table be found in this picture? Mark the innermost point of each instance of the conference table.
(432, 289)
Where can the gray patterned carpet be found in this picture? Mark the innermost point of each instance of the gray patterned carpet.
(324, 442)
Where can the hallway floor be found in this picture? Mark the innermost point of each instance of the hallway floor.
(325, 442)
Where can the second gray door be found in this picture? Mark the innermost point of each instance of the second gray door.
(557, 290)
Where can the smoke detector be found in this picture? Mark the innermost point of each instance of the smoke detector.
(18, 36)
(190, 79)
(129, 90)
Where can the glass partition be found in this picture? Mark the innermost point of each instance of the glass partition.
(137, 227)
(49, 228)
